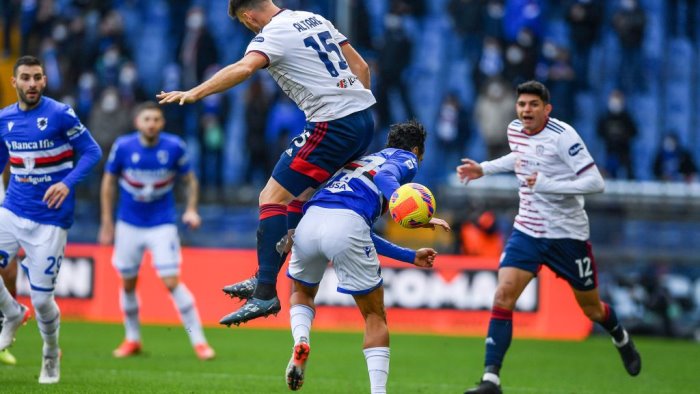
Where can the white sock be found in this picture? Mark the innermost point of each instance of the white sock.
(184, 302)
(378, 367)
(130, 307)
(8, 306)
(48, 318)
(492, 377)
(300, 319)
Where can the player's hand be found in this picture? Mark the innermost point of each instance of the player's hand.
(425, 257)
(106, 234)
(192, 219)
(531, 180)
(176, 96)
(469, 170)
(437, 222)
(55, 195)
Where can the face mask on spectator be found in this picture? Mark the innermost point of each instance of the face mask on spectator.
(616, 105)
(127, 75)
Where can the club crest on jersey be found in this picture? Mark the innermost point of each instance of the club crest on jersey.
(162, 156)
(539, 150)
(42, 123)
(29, 163)
(135, 157)
(10, 125)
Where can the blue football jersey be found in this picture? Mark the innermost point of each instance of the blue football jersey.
(147, 176)
(41, 145)
(357, 186)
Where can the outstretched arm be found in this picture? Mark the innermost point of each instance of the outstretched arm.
(423, 257)
(224, 79)
(357, 64)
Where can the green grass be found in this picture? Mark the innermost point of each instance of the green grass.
(253, 361)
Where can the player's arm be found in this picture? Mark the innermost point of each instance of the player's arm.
(191, 217)
(108, 191)
(423, 257)
(572, 151)
(224, 79)
(470, 170)
(358, 65)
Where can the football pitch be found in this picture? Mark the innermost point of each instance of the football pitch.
(253, 361)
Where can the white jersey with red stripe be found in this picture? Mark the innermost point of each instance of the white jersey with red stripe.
(305, 59)
(558, 154)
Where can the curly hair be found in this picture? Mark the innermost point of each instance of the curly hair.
(407, 135)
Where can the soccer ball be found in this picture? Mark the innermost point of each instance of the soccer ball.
(412, 205)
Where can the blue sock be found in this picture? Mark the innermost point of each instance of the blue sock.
(273, 225)
(611, 324)
(499, 337)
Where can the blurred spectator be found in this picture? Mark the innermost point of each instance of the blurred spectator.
(468, 20)
(214, 109)
(674, 162)
(491, 63)
(8, 8)
(108, 120)
(174, 115)
(480, 237)
(197, 50)
(394, 56)
(360, 28)
(495, 108)
(585, 18)
(521, 57)
(284, 122)
(108, 66)
(617, 129)
(257, 105)
(520, 14)
(630, 23)
(130, 91)
(451, 129)
(493, 21)
(560, 77)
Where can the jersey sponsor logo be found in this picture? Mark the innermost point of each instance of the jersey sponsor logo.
(42, 123)
(368, 251)
(162, 156)
(575, 149)
(346, 82)
(10, 125)
(258, 39)
(34, 180)
(31, 145)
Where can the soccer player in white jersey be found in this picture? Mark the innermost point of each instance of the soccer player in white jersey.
(315, 65)
(40, 137)
(147, 163)
(555, 170)
(337, 227)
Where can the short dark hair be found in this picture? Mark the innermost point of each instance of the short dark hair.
(27, 61)
(407, 135)
(533, 87)
(147, 105)
(236, 5)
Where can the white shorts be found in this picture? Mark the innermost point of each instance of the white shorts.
(130, 243)
(342, 237)
(44, 245)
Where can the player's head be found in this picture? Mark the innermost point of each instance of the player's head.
(532, 105)
(29, 80)
(408, 136)
(149, 120)
(253, 14)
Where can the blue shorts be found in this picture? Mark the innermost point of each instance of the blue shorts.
(322, 149)
(570, 259)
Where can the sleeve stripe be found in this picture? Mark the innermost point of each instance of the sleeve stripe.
(262, 54)
(579, 172)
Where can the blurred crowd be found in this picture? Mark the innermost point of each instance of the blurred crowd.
(452, 64)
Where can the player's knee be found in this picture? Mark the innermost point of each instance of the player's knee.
(171, 282)
(43, 302)
(505, 297)
(593, 312)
